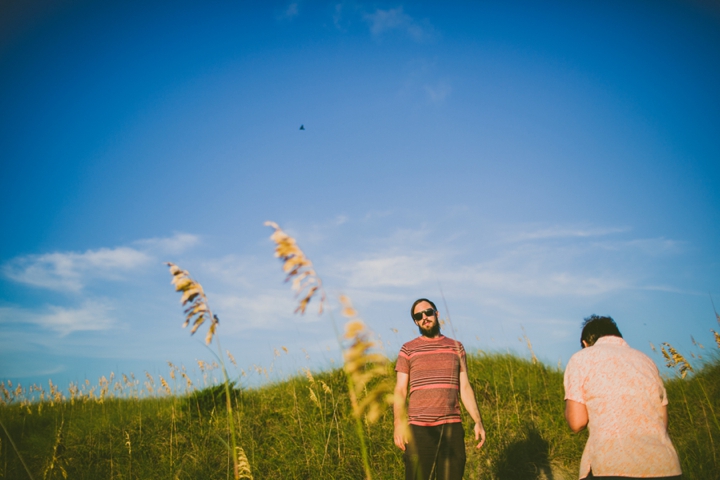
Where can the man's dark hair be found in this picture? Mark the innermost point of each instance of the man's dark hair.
(595, 327)
(412, 309)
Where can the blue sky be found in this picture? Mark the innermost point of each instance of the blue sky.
(537, 162)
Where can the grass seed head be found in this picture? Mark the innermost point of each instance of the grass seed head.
(243, 465)
(305, 282)
(195, 302)
(368, 370)
(313, 397)
(675, 359)
(717, 337)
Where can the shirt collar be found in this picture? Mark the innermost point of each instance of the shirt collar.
(439, 337)
(610, 340)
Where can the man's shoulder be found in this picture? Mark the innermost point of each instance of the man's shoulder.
(410, 343)
(607, 349)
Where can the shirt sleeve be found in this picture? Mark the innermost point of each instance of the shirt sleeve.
(463, 359)
(661, 387)
(573, 381)
(402, 364)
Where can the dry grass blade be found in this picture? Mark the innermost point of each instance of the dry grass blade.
(298, 268)
(717, 337)
(535, 360)
(243, 464)
(194, 300)
(56, 460)
(365, 365)
(675, 359)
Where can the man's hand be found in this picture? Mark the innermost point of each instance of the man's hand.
(400, 437)
(479, 434)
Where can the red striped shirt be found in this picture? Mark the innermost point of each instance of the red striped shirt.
(433, 366)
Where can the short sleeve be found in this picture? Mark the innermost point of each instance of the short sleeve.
(573, 381)
(463, 359)
(402, 364)
(661, 388)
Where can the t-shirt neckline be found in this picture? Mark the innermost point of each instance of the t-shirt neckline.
(426, 339)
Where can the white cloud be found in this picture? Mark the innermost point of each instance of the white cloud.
(291, 10)
(396, 19)
(178, 243)
(563, 232)
(648, 246)
(265, 310)
(391, 271)
(438, 93)
(522, 266)
(538, 282)
(70, 270)
(91, 316)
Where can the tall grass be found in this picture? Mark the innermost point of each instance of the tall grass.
(304, 428)
(694, 424)
(332, 424)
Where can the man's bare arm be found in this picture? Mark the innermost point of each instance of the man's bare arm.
(468, 399)
(401, 388)
(576, 415)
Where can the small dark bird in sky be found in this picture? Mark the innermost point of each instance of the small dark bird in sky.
(302, 127)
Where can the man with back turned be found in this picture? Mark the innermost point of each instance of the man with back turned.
(617, 393)
(434, 369)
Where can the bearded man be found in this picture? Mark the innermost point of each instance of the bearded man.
(435, 370)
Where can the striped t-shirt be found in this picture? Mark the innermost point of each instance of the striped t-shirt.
(433, 366)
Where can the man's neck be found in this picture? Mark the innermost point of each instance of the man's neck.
(436, 337)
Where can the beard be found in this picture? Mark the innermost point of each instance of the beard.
(431, 331)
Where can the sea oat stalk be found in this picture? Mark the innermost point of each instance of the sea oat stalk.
(674, 359)
(198, 311)
(298, 268)
(364, 365)
(194, 298)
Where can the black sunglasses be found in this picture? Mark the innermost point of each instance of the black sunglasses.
(419, 315)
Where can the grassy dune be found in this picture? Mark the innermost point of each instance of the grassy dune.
(333, 425)
(302, 428)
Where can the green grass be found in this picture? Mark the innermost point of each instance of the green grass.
(288, 434)
(694, 422)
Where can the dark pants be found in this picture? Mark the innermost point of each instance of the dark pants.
(435, 453)
(593, 477)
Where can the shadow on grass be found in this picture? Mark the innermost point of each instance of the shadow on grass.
(526, 458)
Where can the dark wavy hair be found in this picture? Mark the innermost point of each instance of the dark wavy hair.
(595, 327)
(412, 309)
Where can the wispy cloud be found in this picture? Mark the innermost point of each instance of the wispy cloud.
(438, 93)
(648, 246)
(524, 266)
(390, 271)
(91, 316)
(291, 11)
(382, 21)
(71, 271)
(178, 243)
(538, 282)
(563, 232)
(267, 310)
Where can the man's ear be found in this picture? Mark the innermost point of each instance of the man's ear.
(585, 344)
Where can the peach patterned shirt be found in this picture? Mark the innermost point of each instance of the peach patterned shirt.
(624, 396)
